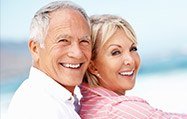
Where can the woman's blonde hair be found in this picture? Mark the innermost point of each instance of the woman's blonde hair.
(102, 28)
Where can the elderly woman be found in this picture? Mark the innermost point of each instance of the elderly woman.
(112, 71)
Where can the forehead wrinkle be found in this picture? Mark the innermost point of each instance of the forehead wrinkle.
(67, 24)
(64, 36)
(58, 31)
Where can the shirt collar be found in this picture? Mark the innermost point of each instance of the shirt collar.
(50, 85)
(97, 90)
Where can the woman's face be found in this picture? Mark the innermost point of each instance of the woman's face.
(117, 63)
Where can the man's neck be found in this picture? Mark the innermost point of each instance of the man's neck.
(70, 88)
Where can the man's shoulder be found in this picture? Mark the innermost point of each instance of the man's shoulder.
(27, 95)
(29, 103)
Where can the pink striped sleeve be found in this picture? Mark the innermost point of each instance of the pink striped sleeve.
(140, 110)
(123, 110)
(129, 110)
(99, 103)
(94, 109)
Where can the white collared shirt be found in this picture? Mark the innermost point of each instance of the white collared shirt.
(40, 97)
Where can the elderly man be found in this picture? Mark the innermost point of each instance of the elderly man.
(60, 46)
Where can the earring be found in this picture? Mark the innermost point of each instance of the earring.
(98, 75)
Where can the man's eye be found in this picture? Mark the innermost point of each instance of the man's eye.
(63, 40)
(115, 52)
(85, 42)
(134, 48)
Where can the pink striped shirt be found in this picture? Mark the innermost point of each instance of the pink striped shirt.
(100, 103)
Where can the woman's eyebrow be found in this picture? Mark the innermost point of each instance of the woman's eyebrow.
(133, 44)
(112, 45)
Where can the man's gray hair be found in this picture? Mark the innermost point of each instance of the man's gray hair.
(40, 21)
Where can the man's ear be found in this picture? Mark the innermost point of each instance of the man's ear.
(92, 69)
(34, 49)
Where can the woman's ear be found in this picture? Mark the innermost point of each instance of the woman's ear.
(34, 49)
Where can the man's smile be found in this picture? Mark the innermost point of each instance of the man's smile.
(72, 66)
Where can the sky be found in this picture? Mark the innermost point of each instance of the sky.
(159, 24)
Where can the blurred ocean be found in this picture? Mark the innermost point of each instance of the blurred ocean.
(162, 80)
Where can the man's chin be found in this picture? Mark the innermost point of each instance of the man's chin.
(74, 82)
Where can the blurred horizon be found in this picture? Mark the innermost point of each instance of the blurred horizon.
(16, 59)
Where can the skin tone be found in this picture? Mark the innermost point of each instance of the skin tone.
(117, 63)
(67, 48)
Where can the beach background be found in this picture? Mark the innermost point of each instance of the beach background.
(161, 29)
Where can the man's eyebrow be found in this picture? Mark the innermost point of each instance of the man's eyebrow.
(63, 36)
(87, 37)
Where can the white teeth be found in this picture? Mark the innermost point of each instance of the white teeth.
(127, 73)
(71, 65)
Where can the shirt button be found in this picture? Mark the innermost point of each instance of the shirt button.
(70, 98)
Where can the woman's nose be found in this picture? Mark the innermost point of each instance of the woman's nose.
(128, 59)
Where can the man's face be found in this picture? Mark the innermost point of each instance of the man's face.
(67, 48)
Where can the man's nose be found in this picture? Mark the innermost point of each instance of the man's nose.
(75, 51)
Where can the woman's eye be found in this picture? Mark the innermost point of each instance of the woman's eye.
(133, 49)
(115, 52)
